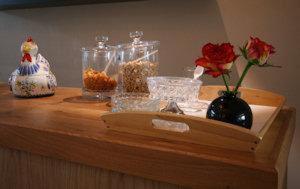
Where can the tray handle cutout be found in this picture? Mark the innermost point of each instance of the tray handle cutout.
(173, 126)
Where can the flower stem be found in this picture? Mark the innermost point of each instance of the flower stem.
(242, 77)
(225, 81)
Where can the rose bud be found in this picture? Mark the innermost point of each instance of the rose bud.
(258, 50)
(217, 59)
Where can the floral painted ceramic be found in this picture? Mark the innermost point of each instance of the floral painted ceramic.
(33, 77)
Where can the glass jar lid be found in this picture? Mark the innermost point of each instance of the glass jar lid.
(137, 42)
(101, 45)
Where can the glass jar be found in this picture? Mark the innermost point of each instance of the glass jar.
(99, 70)
(137, 61)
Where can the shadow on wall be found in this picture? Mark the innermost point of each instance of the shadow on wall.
(182, 28)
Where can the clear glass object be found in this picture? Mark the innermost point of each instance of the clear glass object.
(184, 91)
(99, 70)
(189, 71)
(137, 60)
(134, 102)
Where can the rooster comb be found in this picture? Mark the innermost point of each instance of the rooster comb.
(29, 39)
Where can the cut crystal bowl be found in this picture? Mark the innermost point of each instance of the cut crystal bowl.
(178, 89)
(183, 91)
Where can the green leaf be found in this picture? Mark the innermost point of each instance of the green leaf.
(228, 75)
(255, 62)
(269, 65)
(244, 52)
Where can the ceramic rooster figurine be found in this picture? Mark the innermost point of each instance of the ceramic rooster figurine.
(33, 77)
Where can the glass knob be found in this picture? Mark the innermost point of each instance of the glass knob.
(136, 36)
(101, 40)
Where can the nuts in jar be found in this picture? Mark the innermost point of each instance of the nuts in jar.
(134, 75)
(98, 81)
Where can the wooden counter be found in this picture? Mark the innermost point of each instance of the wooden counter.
(60, 142)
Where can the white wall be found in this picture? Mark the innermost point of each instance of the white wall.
(277, 22)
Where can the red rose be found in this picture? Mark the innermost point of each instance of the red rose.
(217, 59)
(258, 50)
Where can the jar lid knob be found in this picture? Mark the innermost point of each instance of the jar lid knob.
(136, 36)
(101, 41)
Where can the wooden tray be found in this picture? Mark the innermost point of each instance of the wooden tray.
(201, 130)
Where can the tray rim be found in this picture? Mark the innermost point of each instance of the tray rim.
(159, 115)
(279, 106)
(221, 128)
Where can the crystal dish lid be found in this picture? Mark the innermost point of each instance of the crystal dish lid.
(101, 45)
(137, 42)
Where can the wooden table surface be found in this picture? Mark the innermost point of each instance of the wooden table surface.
(65, 126)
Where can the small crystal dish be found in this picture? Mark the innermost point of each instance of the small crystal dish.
(184, 91)
(134, 102)
(178, 89)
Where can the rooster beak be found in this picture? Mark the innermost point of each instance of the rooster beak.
(26, 48)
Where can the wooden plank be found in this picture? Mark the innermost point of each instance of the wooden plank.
(152, 164)
(28, 171)
(282, 149)
(67, 127)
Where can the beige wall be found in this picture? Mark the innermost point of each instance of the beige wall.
(276, 21)
(181, 26)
